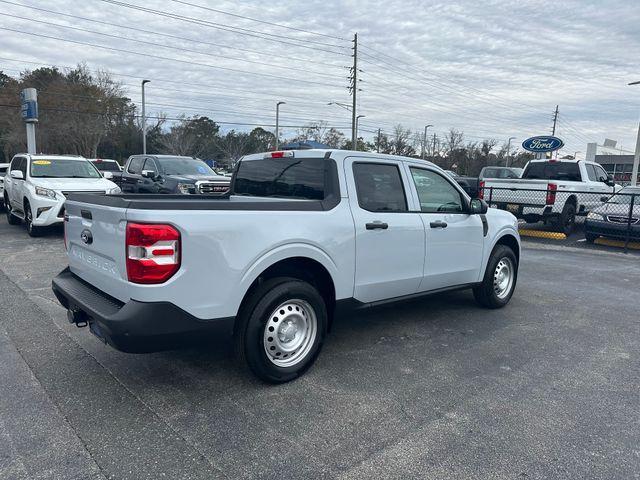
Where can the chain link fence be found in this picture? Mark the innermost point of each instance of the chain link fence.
(553, 213)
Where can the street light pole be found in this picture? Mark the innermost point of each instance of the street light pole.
(144, 120)
(506, 162)
(356, 131)
(278, 123)
(424, 142)
(636, 157)
(575, 154)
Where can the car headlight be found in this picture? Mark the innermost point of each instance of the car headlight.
(45, 192)
(114, 191)
(595, 216)
(186, 188)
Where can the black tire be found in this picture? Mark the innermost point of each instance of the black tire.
(486, 294)
(255, 317)
(567, 219)
(590, 237)
(32, 230)
(11, 218)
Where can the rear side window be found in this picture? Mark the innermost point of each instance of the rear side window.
(289, 177)
(568, 171)
(135, 166)
(379, 187)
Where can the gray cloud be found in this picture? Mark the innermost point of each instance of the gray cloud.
(491, 69)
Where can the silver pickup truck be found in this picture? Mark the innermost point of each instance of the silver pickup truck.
(301, 236)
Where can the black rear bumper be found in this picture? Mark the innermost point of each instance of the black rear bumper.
(135, 327)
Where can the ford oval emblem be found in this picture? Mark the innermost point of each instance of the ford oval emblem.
(542, 144)
(86, 237)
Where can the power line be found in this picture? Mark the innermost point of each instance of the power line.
(166, 35)
(256, 20)
(148, 55)
(180, 49)
(242, 31)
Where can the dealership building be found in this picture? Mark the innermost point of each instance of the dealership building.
(615, 161)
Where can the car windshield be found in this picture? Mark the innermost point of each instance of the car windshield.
(184, 166)
(3, 171)
(624, 197)
(105, 166)
(568, 171)
(60, 168)
(282, 177)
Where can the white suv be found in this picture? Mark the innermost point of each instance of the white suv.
(36, 186)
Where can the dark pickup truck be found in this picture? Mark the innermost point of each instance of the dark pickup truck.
(472, 184)
(170, 174)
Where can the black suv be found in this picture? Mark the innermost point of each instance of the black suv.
(171, 174)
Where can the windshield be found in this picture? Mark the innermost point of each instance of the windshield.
(281, 177)
(105, 166)
(624, 197)
(184, 166)
(568, 171)
(59, 168)
(3, 171)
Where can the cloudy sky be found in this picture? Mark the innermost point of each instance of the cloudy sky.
(492, 69)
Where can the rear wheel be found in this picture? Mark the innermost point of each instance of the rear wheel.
(281, 328)
(567, 219)
(11, 218)
(590, 237)
(499, 280)
(32, 230)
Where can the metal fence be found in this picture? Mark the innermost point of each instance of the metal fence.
(551, 211)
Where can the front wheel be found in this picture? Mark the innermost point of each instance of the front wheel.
(499, 280)
(590, 237)
(32, 230)
(281, 328)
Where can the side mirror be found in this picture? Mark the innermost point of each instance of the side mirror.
(107, 175)
(609, 180)
(478, 206)
(17, 174)
(150, 174)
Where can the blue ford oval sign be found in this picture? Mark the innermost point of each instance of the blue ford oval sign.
(542, 144)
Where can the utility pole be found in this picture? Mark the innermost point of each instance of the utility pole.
(379, 138)
(555, 120)
(357, 119)
(353, 88)
(506, 164)
(636, 156)
(278, 123)
(433, 152)
(144, 120)
(424, 141)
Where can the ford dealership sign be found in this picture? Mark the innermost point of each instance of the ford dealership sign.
(542, 144)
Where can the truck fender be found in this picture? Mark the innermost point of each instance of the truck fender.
(500, 238)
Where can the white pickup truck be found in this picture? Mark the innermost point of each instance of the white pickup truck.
(301, 235)
(553, 191)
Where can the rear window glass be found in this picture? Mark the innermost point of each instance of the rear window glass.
(3, 171)
(567, 171)
(104, 166)
(282, 177)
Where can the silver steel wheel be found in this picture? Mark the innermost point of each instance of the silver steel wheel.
(290, 332)
(503, 277)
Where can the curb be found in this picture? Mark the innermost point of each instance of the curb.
(616, 243)
(542, 234)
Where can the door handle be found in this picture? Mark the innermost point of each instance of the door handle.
(377, 225)
(438, 224)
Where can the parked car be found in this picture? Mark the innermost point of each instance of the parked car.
(616, 218)
(553, 191)
(37, 185)
(107, 167)
(302, 235)
(3, 172)
(171, 174)
(471, 184)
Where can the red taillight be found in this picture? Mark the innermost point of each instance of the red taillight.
(481, 190)
(552, 188)
(279, 154)
(153, 252)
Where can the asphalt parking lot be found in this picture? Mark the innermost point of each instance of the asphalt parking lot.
(436, 388)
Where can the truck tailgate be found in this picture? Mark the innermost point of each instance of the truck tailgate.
(95, 238)
(516, 192)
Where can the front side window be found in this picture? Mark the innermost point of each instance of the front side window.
(601, 175)
(435, 193)
(379, 187)
(150, 165)
(591, 172)
(16, 164)
(61, 168)
(183, 166)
